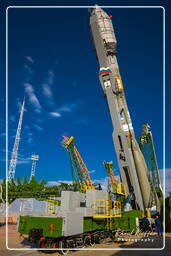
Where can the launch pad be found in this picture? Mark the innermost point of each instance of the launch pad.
(87, 214)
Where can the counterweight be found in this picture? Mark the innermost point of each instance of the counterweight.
(133, 169)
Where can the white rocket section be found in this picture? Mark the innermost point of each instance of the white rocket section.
(133, 169)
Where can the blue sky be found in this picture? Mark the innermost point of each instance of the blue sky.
(52, 62)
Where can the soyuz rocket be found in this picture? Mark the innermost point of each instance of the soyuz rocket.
(133, 169)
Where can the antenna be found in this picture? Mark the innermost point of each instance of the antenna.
(34, 158)
(13, 162)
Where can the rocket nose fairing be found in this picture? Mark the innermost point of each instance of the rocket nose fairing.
(133, 169)
(103, 34)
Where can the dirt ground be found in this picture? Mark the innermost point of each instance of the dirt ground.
(15, 241)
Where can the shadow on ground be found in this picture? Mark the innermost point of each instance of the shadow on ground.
(158, 243)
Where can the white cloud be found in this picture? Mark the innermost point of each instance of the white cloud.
(54, 114)
(28, 88)
(24, 161)
(47, 91)
(38, 128)
(32, 98)
(46, 87)
(103, 182)
(167, 180)
(48, 94)
(29, 59)
(68, 107)
(57, 183)
(19, 104)
(20, 160)
(52, 183)
(28, 70)
(64, 109)
(51, 77)
(93, 171)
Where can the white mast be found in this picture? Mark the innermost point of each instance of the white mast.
(13, 162)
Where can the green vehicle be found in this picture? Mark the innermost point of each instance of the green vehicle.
(83, 219)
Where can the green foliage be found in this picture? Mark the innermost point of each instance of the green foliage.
(3, 189)
(25, 182)
(3, 182)
(32, 189)
(18, 181)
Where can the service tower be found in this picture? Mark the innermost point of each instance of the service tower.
(133, 169)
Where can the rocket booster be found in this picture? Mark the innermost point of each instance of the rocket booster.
(133, 169)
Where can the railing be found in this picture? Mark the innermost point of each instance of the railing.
(121, 188)
(52, 206)
(104, 208)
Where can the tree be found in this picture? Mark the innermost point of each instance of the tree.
(43, 183)
(25, 182)
(33, 184)
(4, 189)
(4, 182)
(18, 181)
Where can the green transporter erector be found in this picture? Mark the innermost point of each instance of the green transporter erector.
(82, 218)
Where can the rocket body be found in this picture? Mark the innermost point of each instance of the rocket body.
(133, 169)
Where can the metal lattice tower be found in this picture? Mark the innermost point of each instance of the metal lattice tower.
(80, 172)
(109, 168)
(148, 150)
(117, 186)
(13, 162)
(34, 158)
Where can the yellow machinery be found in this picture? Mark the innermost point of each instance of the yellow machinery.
(121, 188)
(52, 205)
(117, 187)
(105, 208)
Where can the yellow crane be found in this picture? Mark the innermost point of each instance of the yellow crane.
(117, 186)
(80, 173)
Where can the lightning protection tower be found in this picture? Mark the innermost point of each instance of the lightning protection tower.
(13, 162)
(34, 158)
